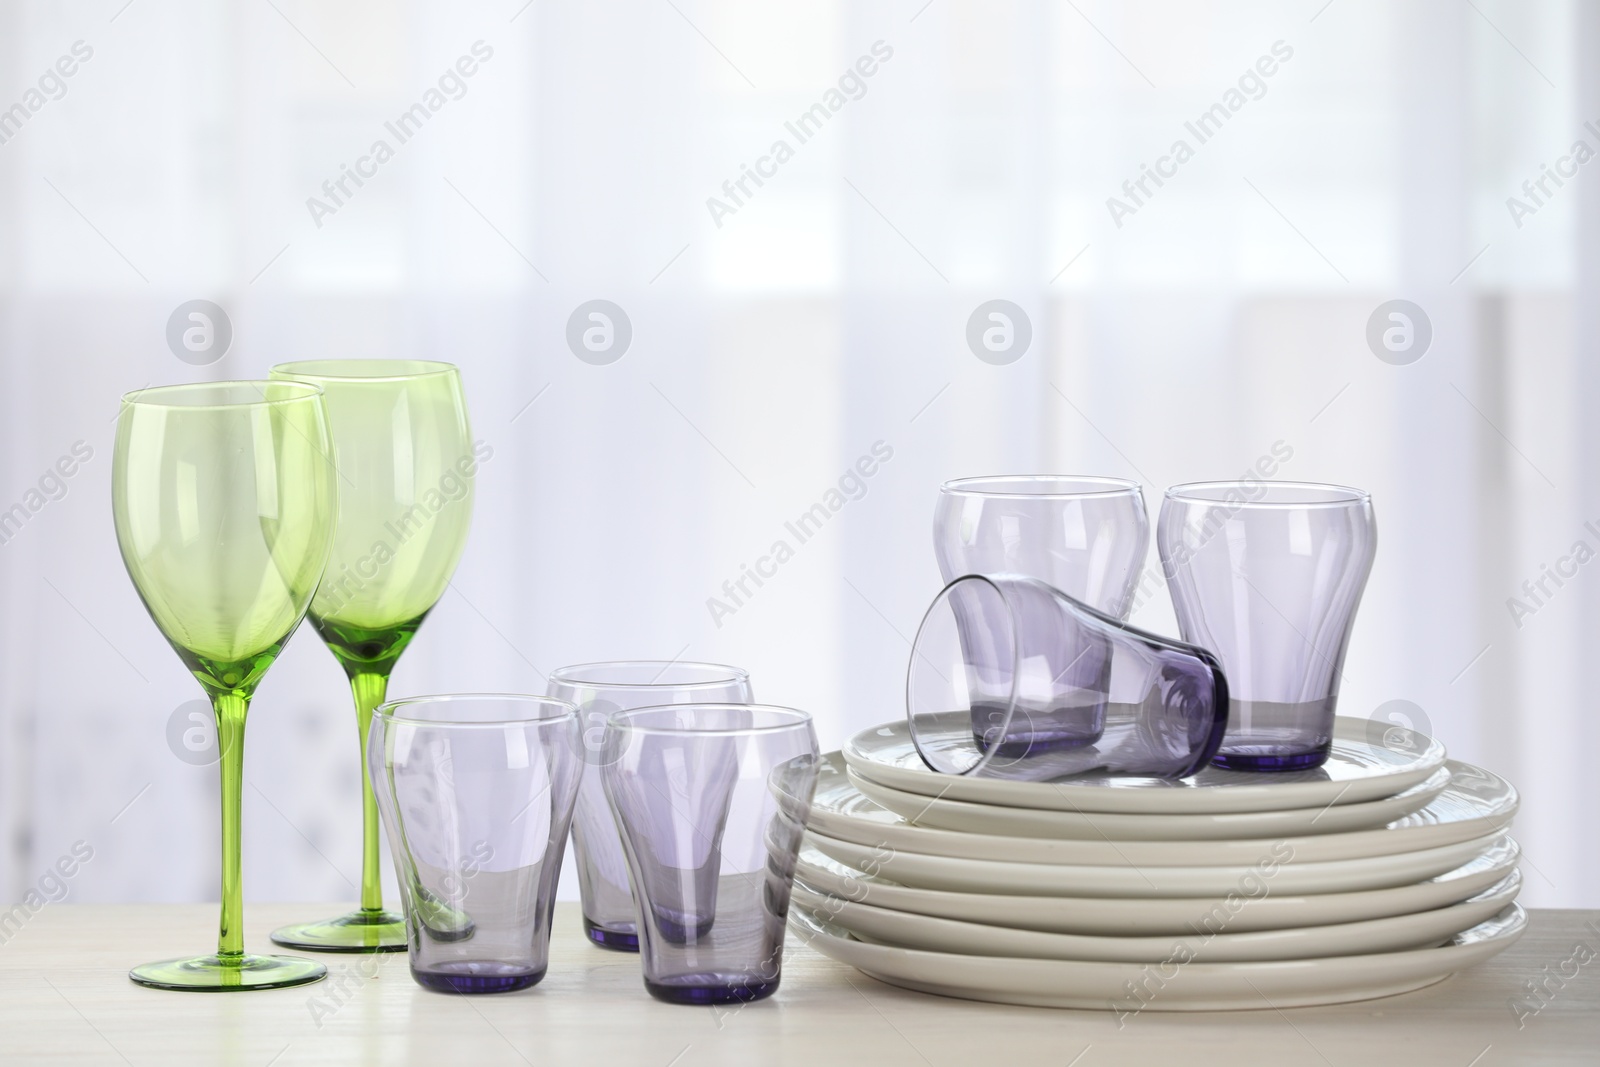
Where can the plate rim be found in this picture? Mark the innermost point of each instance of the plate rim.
(958, 844)
(973, 871)
(1213, 799)
(926, 898)
(1044, 973)
(1501, 894)
(1188, 822)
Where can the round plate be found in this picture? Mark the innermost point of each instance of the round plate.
(946, 814)
(839, 810)
(1213, 943)
(1132, 917)
(1171, 985)
(1360, 768)
(1273, 868)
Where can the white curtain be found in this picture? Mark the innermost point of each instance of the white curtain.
(776, 343)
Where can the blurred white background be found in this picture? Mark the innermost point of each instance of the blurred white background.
(774, 345)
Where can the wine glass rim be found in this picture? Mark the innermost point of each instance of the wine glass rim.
(158, 395)
(584, 674)
(782, 719)
(369, 370)
(1300, 494)
(558, 710)
(1083, 485)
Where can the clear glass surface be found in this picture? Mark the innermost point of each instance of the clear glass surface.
(599, 689)
(1009, 676)
(224, 501)
(1085, 536)
(406, 465)
(1268, 576)
(711, 801)
(477, 793)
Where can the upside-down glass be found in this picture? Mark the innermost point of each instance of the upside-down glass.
(1084, 536)
(224, 501)
(1004, 667)
(476, 792)
(1268, 576)
(696, 791)
(599, 689)
(405, 463)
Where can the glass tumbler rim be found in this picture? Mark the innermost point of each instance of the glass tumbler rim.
(1310, 494)
(717, 674)
(1016, 659)
(1087, 486)
(784, 718)
(559, 710)
(382, 370)
(172, 397)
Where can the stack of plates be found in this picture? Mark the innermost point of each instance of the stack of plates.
(1380, 872)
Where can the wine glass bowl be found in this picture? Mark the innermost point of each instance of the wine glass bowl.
(223, 499)
(405, 463)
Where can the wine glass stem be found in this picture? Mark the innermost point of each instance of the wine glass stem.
(369, 690)
(230, 709)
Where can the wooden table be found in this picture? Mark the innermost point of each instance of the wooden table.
(65, 999)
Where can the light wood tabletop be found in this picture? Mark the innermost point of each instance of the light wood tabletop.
(65, 998)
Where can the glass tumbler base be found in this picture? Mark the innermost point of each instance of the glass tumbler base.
(710, 989)
(471, 976)
(616, 940)
(359, 931)
(213, 974)
(1270, 761)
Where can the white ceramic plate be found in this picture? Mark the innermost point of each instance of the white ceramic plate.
(1275, 868)
(1360, 768)
(1171, 985)
(1135, 917)
(965, 817)
(1213, 942)
(840, 811)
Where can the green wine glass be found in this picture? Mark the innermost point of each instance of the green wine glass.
(224, 500)
(405, 462)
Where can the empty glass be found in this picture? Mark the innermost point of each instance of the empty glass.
(599, 689)
(1007, 672)
(696, 792)
(476, 793)
(1085, 536)
(1268, 575)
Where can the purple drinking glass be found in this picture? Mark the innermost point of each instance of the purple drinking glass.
(1005, 669)
(1084, 536)
(1268, 576)
(696, 791)
(476, 793)
(600, 689)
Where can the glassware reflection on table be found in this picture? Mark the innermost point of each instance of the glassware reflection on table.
(476, 792)
(224, 501)
(697, 791)
(999, 661)
(1268, 575)
(406, 464)
(1082, 535)
(599, 689)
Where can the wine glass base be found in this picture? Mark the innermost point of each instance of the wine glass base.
(359, 931)
(214, 974)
